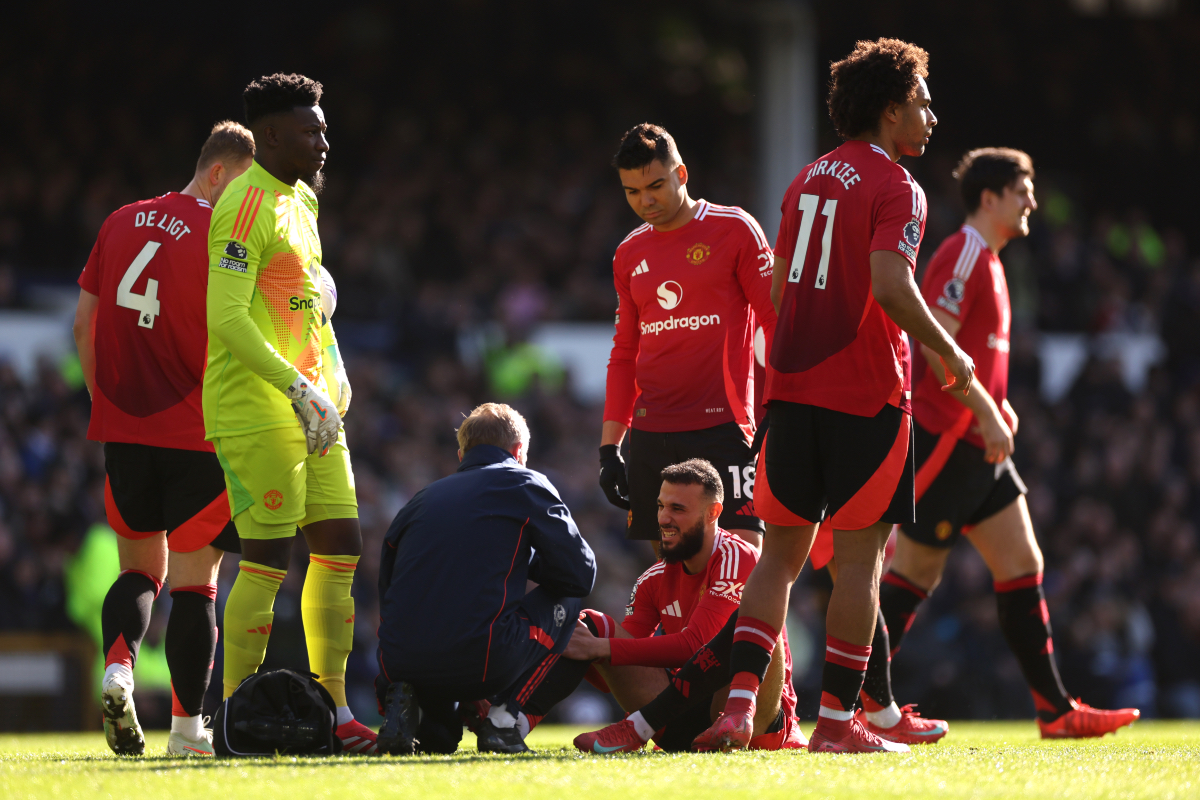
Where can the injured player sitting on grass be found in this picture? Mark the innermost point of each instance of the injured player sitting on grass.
(692, 593)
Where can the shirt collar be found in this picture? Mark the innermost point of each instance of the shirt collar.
(482, 455)
(260, 173)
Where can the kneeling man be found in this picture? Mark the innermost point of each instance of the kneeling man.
(456, 624)
(692, 594)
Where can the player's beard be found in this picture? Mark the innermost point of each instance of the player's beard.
(687, 544)
(316, 181)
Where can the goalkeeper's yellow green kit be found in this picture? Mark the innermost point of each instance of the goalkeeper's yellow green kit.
(265, 329)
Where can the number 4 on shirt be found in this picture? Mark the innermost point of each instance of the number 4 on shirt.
(146, 304)
(808, 212)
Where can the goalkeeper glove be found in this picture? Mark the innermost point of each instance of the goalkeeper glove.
(612, 476)
(334, 370)
(317, 414)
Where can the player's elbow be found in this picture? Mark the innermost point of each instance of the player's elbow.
(889, 294)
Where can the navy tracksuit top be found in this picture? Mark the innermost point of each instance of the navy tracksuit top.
(455, 564)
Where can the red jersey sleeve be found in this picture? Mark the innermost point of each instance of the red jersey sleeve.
(721, 599)
(641, 615)
(899, 219)
(89, 279)
(944, 285)
(754, 264)
(620, 391)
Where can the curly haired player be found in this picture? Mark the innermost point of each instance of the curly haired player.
(268, 336)
(840, 440)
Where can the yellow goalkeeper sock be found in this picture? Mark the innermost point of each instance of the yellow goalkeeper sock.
(328, 611)
(248, 617)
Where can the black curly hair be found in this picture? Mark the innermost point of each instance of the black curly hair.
(271, 94)
(876, 74)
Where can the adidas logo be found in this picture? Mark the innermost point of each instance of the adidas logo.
(747, 510)
(263, 629)
(351, 618)
(642, 268)
(672, 610)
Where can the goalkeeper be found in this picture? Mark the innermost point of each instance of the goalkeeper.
(268, 339)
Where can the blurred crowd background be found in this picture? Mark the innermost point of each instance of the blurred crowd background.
(470, 202)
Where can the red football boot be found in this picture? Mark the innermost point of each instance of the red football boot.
(620, 737)
(911, 729)
(357, 738)
(857, 739)
(729, 732)
(790, 738)
(1083, 721)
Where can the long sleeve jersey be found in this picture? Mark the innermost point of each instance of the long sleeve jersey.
(688, 303)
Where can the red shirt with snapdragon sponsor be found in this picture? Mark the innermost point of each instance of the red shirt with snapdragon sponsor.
(834, 346)
(149, 267)
(688, 300)
(965, 279)
(690, 608)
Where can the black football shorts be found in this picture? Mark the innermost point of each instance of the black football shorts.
(724, 446)
(148, 490)
(966, 491)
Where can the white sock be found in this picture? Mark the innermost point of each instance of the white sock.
(344, 715)
(191, 727)
(644, 731)
(523, 726)
(121, 673)
(501, 718)
(885, 718)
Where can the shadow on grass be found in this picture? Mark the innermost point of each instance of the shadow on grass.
(143, 763)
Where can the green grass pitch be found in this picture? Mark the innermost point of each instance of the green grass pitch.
(977, 760)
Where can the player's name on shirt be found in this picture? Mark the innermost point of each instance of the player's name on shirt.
(175, 227)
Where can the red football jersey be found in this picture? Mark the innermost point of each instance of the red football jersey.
(834, 346)
(149, 268)
(683, 353)
(690, 608)
(966, 280)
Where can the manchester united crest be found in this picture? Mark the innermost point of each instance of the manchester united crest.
(697, 253)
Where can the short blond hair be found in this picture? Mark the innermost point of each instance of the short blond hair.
(493, 423)
(227, 142)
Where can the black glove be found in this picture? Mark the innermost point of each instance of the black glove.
(612, 476)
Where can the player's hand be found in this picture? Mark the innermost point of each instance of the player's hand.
(317, 414)
(612, 476)
(997, 439)
(583, 645)
(960, 370)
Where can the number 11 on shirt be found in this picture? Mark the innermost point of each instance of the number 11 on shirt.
(808, 212)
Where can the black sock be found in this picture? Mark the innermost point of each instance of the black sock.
(191, 646)
(1025, 621)
(125, 616)
(841, 680)
(704, 673)
(898, 600)
(877, 686)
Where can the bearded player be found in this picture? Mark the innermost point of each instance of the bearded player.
(267, 404)
(141, 337)
(690, 595)
(693, 282)
(840, 440)
(966, 483)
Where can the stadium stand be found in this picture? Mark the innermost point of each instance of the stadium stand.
(466, 217)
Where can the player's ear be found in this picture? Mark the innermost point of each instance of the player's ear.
(682, 172)
(215, 173)
(714, 510)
